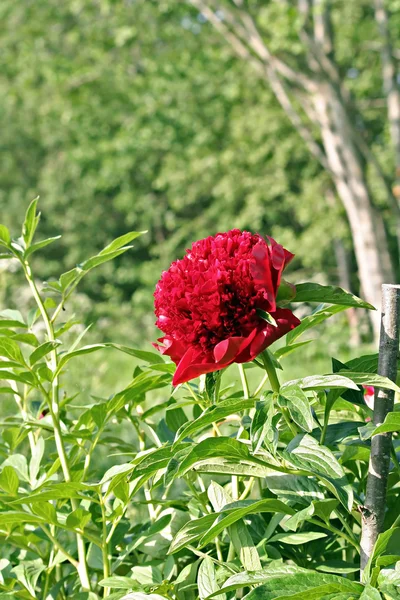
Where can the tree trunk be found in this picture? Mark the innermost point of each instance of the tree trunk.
(345, 282)
(367, 227)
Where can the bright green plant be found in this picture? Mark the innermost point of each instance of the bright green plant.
(223, 492)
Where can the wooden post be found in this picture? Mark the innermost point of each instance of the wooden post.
(373, 513)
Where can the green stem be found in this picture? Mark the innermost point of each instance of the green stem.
(58, 546)
(245, 383)
(104, 549)
(275, 385)
(271, 371)
(54, 411)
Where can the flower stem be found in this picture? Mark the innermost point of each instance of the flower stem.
(245, 383)
(271, 372)
(275, 385)
(104, 549)
(54, 411)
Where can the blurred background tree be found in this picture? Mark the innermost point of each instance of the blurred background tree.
(139, 114)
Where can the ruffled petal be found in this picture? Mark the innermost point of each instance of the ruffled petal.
(286, 321)
(172, 348)
(192, 364)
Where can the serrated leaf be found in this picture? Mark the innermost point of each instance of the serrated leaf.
(294, 399)
(314, 292)
(28, 573)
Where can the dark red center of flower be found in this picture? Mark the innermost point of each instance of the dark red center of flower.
(210, 295)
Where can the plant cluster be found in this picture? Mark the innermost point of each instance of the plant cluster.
(223, 492)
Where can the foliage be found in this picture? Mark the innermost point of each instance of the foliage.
(121, 117)
(220, 491)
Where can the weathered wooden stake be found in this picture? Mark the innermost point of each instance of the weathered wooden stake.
(373, 512)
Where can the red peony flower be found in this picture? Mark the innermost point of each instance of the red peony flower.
(206, 303)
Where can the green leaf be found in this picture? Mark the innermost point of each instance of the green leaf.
(285, 581)
(40, 245)
(210, 526)
(36, 459)
(244, 546)
(78, 518)
(150, 357)
(213, 414)
(47, 511)
(313, 292)
(387, 541)
(390, 424)
(30, 223)
(10, 349)
(5, 237)
(191, 531)
(121, 241)
(237, 510)
(84, 350)
(317, 382)
(24, 377)
(286, 350)
(99, 259)
(370, 593)
(261, 425)
(304, 452)
(14, 517)
(296, 539)
(42, 351)
(311, 321)
(116, 470)
(67, 278)
(295, 400)
(9, 481)
(28, 572)
(372, 379)
(55, 491)
(267, 317)
(119, 583)
(211, 449)
(206, 578)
